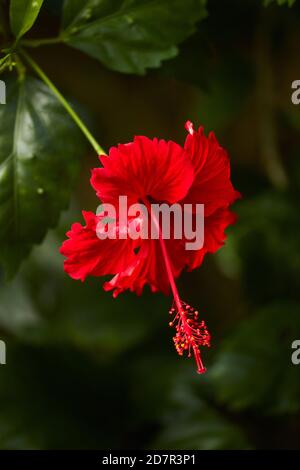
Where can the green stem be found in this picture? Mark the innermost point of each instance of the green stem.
(41, 42)
(4, 59)
(99, 150)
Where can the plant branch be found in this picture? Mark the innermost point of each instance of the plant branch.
(98, 149)
(41, 42)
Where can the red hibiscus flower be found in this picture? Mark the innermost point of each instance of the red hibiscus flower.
(146, 171)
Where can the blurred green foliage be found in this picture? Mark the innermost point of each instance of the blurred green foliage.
(23, 15)
(131, 35)
(88, 371)
(280, 2)
(31, 149)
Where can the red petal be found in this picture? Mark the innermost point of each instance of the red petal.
(149, 268)
(212, 186)
(87, 255)
(214, 236)
(145, 167)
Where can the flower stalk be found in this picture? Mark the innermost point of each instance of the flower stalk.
(190, 333)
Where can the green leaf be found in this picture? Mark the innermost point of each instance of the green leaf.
(39, 146)
(23, 14)
(254, 369)
(130, 35)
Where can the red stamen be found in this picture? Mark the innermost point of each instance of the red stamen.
(190, 332)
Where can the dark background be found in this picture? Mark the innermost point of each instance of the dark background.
(87, 371)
